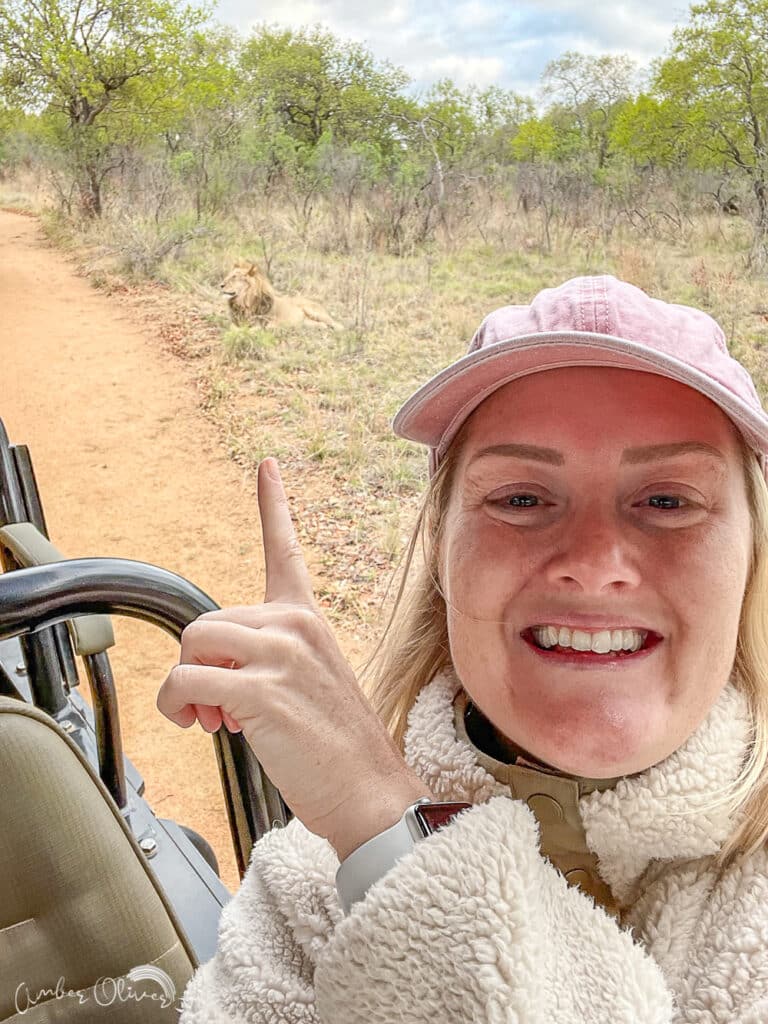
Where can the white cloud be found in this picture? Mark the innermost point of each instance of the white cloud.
(465, 71)
(397, 14)
(476, 14)
(477, 41)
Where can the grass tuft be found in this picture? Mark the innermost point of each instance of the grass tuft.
(247, 343)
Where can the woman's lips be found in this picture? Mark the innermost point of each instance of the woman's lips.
(587, 659)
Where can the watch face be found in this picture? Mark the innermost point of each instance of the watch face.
(431, 817)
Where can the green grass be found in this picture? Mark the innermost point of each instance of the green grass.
(239, 344)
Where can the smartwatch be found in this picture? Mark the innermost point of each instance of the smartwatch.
(375, 857)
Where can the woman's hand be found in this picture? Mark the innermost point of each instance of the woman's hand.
(275, 672)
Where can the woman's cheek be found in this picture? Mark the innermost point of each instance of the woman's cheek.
(484, 567)
(711, 568)
(462, 551)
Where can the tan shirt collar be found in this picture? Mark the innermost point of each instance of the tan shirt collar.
(552, 796)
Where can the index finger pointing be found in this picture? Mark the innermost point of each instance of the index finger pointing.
(288, 578)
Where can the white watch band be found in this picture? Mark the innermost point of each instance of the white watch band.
(375, 857)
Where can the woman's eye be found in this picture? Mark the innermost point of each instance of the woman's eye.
(521, 500)
(666, 498)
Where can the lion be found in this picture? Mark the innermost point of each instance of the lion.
(252, 299)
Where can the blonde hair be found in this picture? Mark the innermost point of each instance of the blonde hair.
(414, 646)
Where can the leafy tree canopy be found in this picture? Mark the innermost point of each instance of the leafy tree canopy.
(82, 57)
(308, 81)
(715, 81)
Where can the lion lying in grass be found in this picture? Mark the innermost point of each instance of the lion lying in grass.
(253, 300)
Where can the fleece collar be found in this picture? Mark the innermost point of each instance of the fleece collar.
(658, 814)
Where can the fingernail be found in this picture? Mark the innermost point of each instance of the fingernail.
(271, 468)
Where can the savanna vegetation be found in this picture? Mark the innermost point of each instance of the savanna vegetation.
(164, 147)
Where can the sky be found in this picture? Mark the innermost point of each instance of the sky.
(481, 42)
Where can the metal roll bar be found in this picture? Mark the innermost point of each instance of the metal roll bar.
(36, 598)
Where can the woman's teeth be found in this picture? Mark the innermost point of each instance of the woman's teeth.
(598, 643)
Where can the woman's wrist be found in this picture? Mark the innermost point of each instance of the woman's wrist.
(368, 817)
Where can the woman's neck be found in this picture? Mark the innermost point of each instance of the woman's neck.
(491, 741)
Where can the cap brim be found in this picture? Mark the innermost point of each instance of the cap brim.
(434, 414)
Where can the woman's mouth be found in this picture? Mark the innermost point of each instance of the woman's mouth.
(590, 659)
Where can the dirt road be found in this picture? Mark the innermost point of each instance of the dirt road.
(127, 466)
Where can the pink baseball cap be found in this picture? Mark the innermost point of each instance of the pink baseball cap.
(587, 321)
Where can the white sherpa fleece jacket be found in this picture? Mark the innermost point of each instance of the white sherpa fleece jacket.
(475, 925)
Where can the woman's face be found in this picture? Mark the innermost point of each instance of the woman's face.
(603, 528)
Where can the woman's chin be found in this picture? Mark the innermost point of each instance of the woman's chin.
(596, 747)
(592, 731)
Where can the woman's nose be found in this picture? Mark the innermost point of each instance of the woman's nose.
(594, 551)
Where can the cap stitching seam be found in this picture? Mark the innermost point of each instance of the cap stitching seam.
(606, 305)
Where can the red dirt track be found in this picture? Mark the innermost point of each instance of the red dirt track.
(129, 467)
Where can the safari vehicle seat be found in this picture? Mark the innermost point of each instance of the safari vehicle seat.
(86, 932)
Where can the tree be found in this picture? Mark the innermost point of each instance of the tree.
(481, 121)
(96, 68)
(645, 130)
(203, 118)
(714, 90)
(586, 93)
(535, 140)
(307, 82)
(447, 114)
(499, 114)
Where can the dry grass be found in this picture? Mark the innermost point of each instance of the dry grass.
(321, 402)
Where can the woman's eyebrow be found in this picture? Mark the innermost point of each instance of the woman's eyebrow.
(632, 456)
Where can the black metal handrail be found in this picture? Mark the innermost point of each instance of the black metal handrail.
(34, 598)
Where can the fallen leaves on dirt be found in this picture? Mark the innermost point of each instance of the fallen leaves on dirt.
(354, 573)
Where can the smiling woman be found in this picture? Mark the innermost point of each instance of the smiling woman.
(575, 683)
(593, 550)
